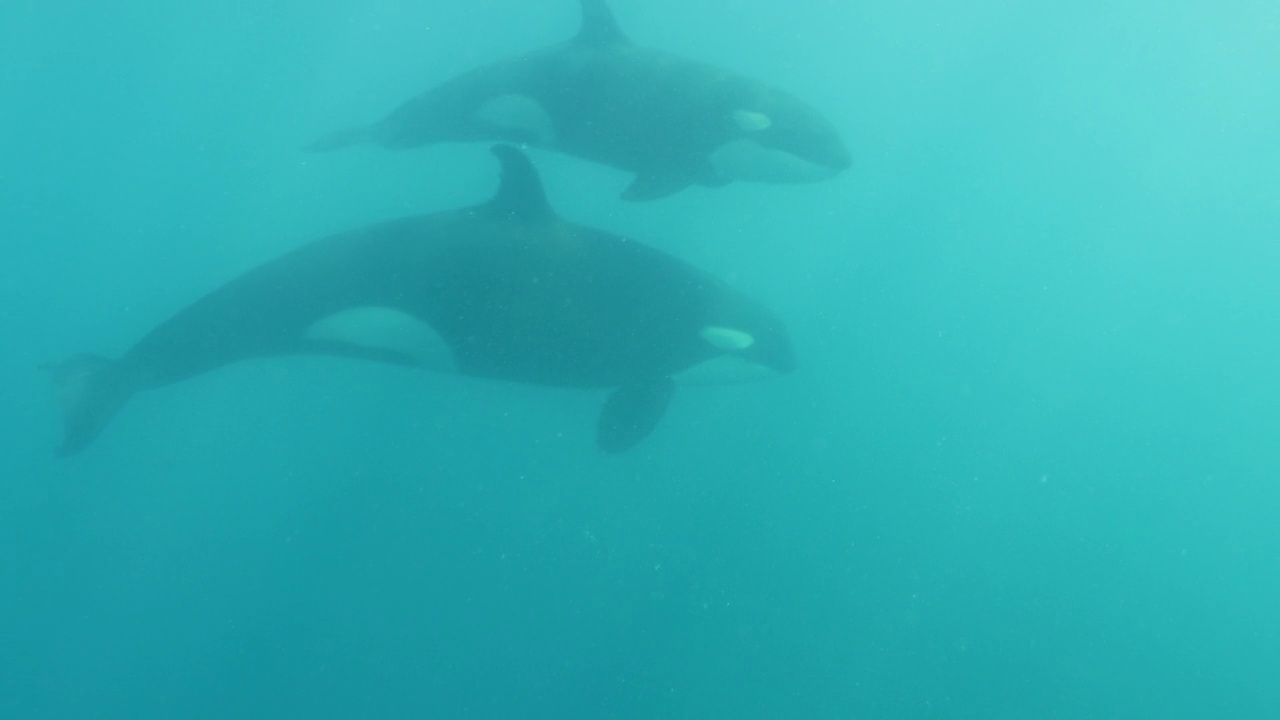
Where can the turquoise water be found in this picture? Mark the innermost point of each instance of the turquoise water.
(1025, 469)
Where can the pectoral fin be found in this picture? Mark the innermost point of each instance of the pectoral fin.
(632, 412)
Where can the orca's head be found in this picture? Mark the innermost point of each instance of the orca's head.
(778, 139)
(740, 352)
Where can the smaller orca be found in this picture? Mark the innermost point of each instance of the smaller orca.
(505, 290)
(673, 122)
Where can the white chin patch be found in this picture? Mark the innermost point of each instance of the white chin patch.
(519, 114)
(725, 370)
(382, 328)
(746, 159)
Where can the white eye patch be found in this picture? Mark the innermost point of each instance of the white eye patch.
(727, 339)
(751, 121)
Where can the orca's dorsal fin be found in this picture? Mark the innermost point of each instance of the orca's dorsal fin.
(520, 194)
(598, 25)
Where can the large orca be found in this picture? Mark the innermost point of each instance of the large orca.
(505, 290)
(673, 122)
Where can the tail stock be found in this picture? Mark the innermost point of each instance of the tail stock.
(91, 390)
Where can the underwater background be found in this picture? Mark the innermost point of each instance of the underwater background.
(1027, 467)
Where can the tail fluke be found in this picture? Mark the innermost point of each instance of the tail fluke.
(91, 390)
(341, 138)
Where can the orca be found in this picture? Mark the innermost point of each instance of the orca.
(505, 290)
(673, 122)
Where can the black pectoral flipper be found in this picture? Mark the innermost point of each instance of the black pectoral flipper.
(632, 412)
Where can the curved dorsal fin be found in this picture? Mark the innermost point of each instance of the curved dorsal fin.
(520, 194)
(598, 25)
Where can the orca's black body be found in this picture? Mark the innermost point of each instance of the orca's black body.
(673, 122)
(503, 290)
